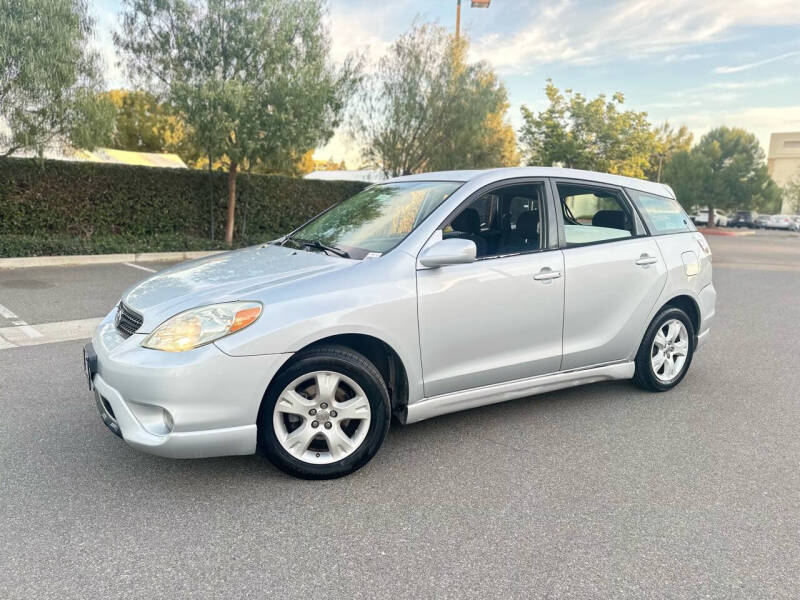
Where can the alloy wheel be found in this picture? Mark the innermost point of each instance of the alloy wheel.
(669, 351)
(321, 417)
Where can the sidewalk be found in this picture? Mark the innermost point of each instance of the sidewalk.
(99, 259)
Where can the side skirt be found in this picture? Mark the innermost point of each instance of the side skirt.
(520, 388)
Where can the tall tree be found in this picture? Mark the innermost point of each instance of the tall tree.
(426, 108)
(596, 134)
(726, 170)
(251, 78)
(49, 76)
(668, 141)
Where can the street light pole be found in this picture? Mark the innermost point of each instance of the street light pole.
(475, 4)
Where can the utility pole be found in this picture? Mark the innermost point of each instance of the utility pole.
(660, 162)
(475, 4)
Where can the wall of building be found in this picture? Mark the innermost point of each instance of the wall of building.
(783, 159)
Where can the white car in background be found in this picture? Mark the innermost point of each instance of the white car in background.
(780, 222)
(701, 218)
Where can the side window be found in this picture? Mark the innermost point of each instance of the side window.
(594, 214)
(506, 221)
(662, 214)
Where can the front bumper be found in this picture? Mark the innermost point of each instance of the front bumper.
(193, 404)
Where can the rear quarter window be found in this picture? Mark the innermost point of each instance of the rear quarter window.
(661, 214)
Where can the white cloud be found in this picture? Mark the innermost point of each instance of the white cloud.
(760, 120)
(759, 63)
(579, 34)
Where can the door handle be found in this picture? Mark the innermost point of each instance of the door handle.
(547, 274)
(645, 259)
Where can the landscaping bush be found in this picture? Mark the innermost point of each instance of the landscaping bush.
(80, 207)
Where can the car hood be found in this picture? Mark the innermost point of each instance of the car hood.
(240, 274)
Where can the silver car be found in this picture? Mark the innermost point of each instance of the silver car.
(417, 297)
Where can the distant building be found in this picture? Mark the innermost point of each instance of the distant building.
(371, 176)
(57, 151)
(783, 160)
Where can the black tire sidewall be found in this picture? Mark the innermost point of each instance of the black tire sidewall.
(340, 360)
(644, 368)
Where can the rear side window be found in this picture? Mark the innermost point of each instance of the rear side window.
(594, 214)
(662, 214)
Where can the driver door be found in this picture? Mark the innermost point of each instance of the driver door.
(499, 318)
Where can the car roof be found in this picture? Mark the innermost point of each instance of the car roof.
(487, 176)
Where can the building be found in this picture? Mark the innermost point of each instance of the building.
(56, 151)
(370, 176)
(783, 160)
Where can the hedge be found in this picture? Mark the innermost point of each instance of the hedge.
(79, 204)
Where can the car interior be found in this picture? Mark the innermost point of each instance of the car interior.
(593, 215)
(503, 221)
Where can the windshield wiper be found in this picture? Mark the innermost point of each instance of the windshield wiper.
(324, 247)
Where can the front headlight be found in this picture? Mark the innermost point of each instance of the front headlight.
(198, 326)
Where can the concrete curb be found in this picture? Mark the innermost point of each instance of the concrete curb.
(100, 259)
(727, 232)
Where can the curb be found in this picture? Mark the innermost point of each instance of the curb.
(100, 259)
(727, 233)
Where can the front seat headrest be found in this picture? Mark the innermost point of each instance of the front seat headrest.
(614, 219)
(469, 221)
(528, 224)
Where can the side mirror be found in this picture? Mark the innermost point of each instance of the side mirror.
(453, 251)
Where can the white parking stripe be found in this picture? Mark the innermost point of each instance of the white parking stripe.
(4, 312)
(48, 333)
(139, 267)
(27, 329)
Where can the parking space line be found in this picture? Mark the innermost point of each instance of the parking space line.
(4, 312)
(48, 333)
(149, 270)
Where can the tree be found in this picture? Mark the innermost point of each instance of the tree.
(668, 141)
(143, 124)
(251, 78)
(596, 135)
(791, 195)
(49, 76)
(725, 170)
(426, 108)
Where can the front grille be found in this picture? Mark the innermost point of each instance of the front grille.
(128, 321)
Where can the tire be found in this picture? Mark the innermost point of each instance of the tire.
(660, 380)
(310, 410)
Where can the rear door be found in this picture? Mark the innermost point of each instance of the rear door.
(614, 273)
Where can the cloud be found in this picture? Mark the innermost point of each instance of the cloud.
(752, 65)
(574, 33)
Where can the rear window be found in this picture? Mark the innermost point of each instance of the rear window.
(662, 214)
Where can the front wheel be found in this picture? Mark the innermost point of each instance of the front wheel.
(666, 351)
(325, 415)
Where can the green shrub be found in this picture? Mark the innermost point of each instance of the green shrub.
(54, 244)
(96, 207)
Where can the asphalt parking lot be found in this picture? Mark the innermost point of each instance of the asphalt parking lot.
(602, 491)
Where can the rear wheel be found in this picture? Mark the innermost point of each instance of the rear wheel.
(325, 415)
(666, 351)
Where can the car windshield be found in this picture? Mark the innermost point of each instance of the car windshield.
(373, 221)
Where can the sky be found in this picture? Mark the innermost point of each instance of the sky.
(700, 63)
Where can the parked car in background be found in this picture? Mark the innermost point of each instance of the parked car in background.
(417, 297)
(701, 218)
(744, 218)
(780, 222)
(761, 221)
